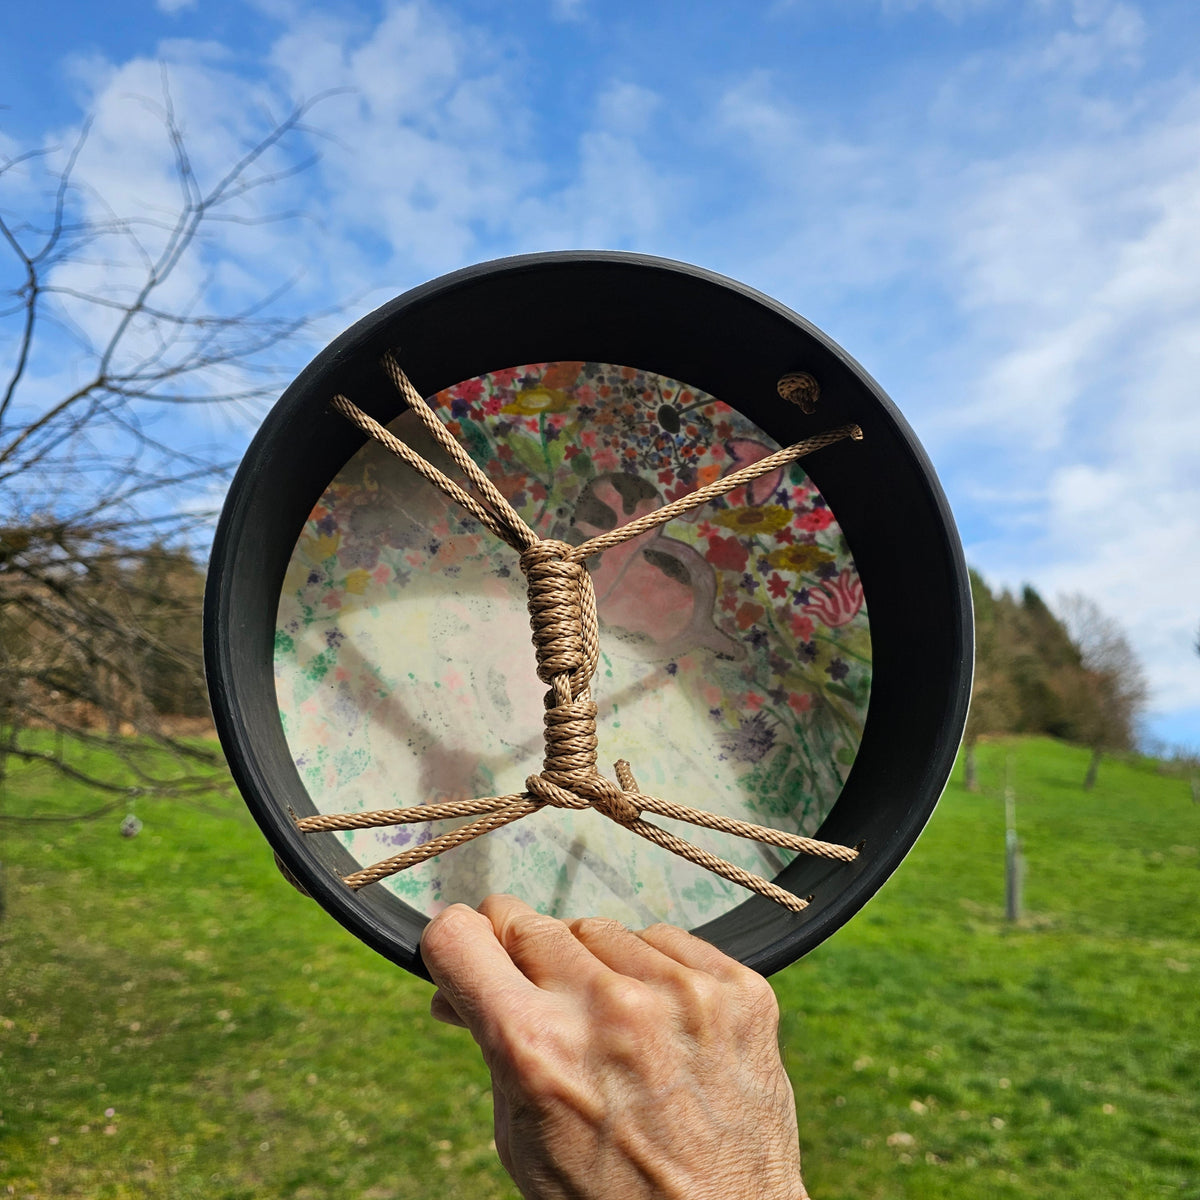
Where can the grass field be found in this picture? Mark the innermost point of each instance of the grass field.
(176, 1021)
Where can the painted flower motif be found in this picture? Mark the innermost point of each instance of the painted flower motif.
(766, 518)
(836, 601)
(799, 557)
(749, 614)
(802, 626)
(817, 519)
(727, 554)
(537, 400)
(752, 741)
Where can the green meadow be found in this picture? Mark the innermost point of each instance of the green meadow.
(176, 1021)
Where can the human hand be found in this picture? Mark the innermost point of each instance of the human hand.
(625, 1066)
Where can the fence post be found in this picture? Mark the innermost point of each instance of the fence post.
(1014, 863)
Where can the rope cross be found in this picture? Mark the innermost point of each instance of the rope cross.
(566, 639)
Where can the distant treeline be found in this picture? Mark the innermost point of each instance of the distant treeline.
(1071, 676)
(94, 636)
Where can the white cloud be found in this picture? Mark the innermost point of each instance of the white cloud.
(1052, 282)
(1082, 276)
(627, 107)
(429, 153)
(1012, 249)
(172, 7)
(955, 10)
(567, 10)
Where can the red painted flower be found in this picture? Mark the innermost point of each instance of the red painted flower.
(836, 601)
(749, 614)
(561, 374)
(802, 626)
(776, 586)
(727, 554)
(818, 518)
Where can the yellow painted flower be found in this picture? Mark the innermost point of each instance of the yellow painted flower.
(766, 518)
(356, 581)
(537, 400)
(323, 546)
(799, 558)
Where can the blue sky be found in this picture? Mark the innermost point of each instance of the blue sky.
(993, 204)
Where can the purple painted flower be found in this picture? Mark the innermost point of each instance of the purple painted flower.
(753, 741)
(837, 669)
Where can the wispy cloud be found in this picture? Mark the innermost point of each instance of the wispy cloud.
(567, 10)
(1011, 242)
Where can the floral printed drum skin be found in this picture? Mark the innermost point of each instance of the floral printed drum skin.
(736, 651)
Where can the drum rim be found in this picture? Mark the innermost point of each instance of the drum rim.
(673, 312)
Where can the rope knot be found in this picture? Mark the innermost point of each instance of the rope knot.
(559, 593)
(590, 791)
(610, 799)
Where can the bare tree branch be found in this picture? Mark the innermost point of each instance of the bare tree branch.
(99, 590)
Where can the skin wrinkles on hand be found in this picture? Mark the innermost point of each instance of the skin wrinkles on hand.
(625, 1066)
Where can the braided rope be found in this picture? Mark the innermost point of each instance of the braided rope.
(566, 639)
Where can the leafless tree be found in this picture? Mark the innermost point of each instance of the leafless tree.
(112, 336)
(1106, 695)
